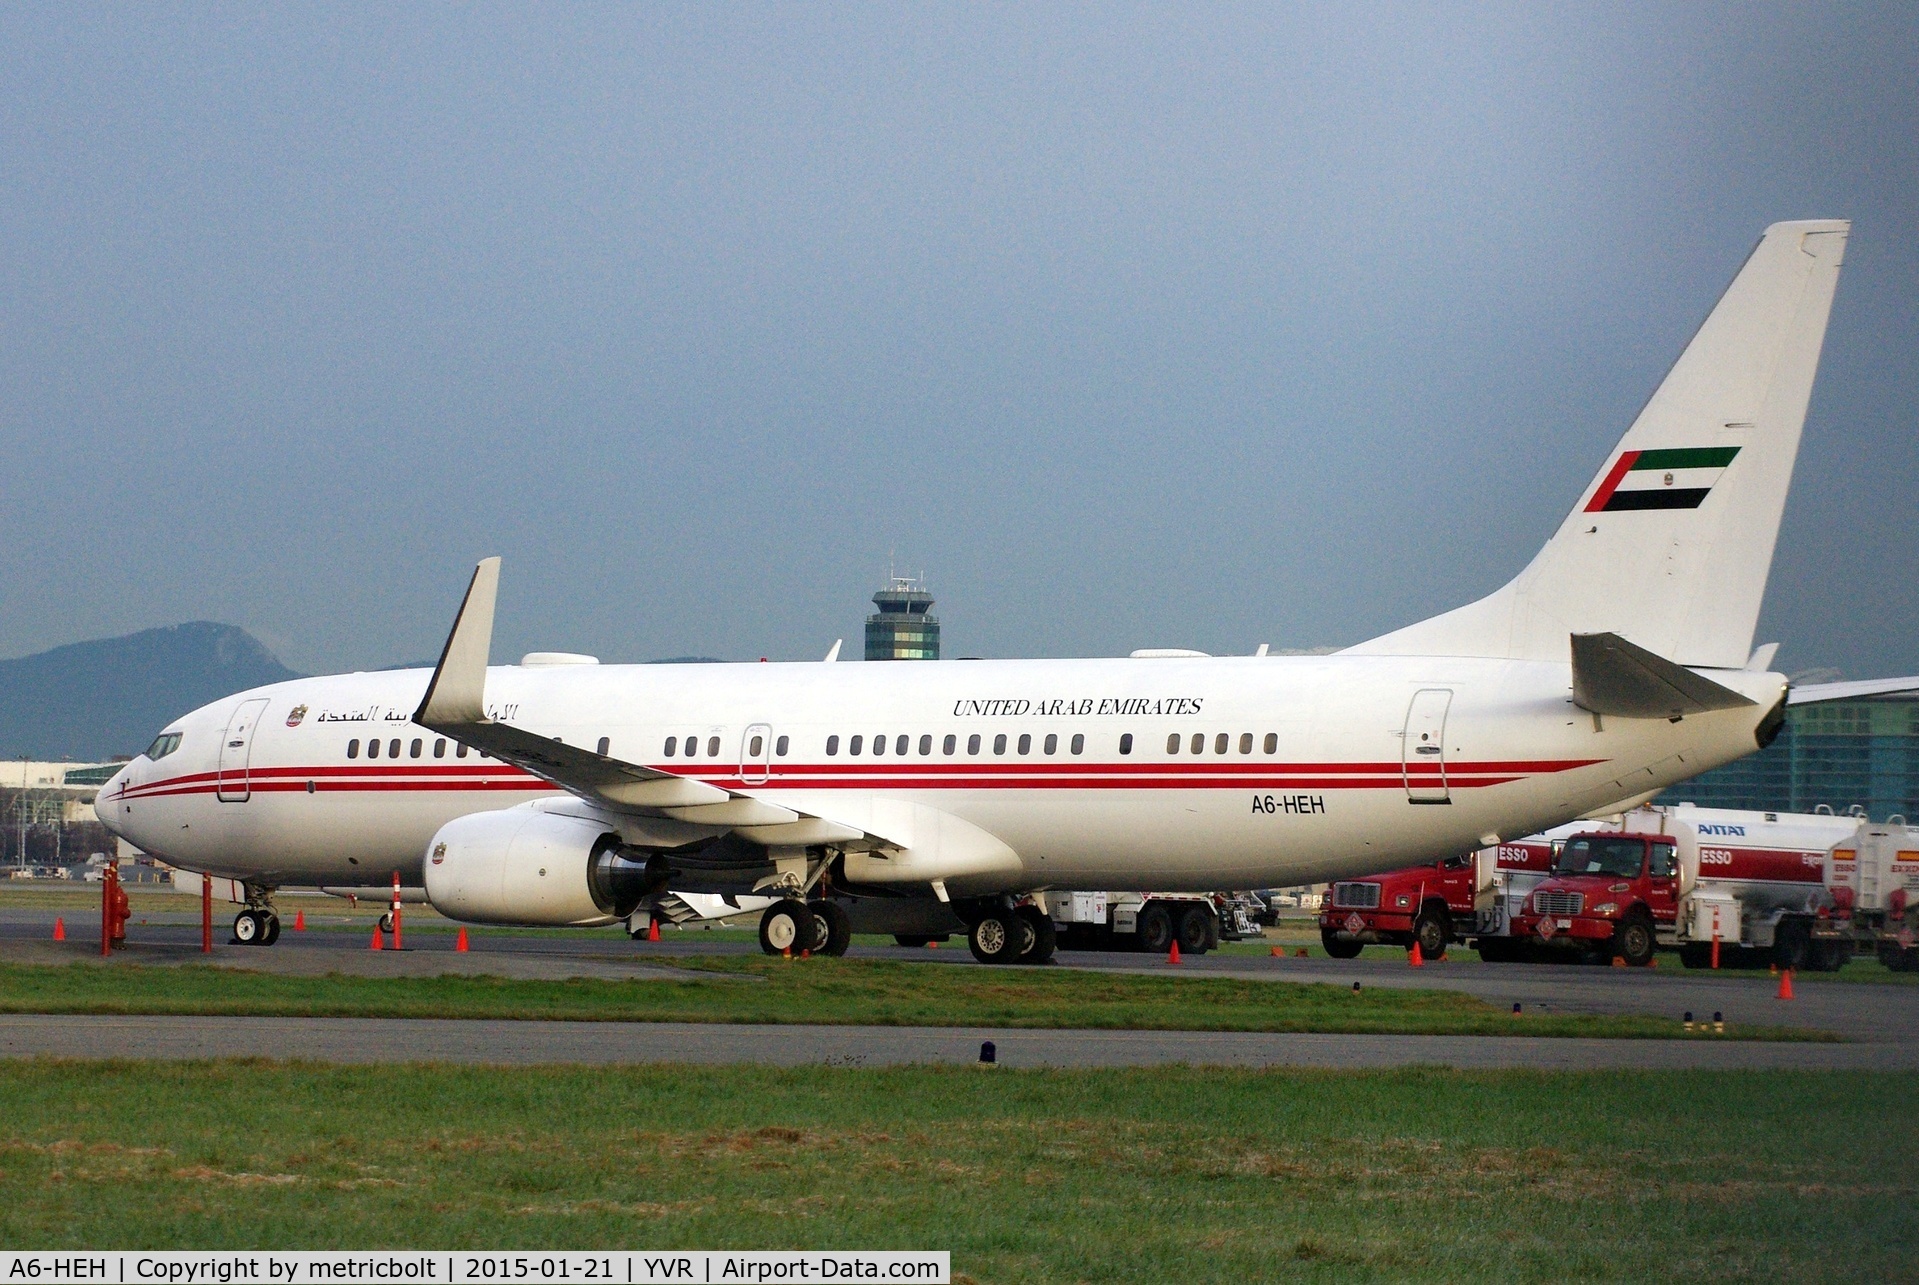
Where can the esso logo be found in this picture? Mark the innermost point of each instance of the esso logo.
(1715, 857)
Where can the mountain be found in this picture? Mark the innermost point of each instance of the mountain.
(95, 700)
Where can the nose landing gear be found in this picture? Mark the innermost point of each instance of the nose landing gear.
(257, 925)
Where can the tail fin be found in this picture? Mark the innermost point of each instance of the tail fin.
(1671, 542)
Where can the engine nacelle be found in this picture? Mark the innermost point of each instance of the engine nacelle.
(527, 866)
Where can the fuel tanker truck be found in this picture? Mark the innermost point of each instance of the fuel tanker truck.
(1797, 890)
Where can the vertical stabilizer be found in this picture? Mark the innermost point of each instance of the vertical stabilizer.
(1671, 542)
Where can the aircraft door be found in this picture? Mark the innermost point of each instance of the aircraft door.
(1423, 755)
(756, 754)
(236, 751)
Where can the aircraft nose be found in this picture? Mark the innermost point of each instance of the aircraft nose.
(106, 804)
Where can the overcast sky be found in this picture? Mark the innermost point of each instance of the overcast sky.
(1153, 326)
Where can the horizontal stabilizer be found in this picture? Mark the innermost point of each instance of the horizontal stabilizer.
(1612, 676)
(1818, 693)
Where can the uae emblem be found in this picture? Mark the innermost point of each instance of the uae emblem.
(298, 712)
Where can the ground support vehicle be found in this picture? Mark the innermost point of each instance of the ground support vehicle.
(1467, 898)
(1873, 878)
(1750, 885)
(1149, 921)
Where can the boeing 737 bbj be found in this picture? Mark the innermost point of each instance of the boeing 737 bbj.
(562, 791)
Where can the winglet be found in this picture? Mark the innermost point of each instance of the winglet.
(834, 654)
(457, 693)
(1612, 676)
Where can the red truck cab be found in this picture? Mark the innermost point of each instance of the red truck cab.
(1425, 903)
(1611, 896)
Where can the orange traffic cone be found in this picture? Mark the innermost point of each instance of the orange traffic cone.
(459, 943)
(1279, 953)
(1785, 983)
(299, 921)
(1618, 961)
(1172, 956)
(379, 942)
(932, 945)
(652, 929)
(1300, 953)
(1413, 958)
(60, 929)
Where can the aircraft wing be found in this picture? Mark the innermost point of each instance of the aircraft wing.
(455, 706)
(1814, 693)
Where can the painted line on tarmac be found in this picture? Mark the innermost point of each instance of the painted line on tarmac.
(388, 1040)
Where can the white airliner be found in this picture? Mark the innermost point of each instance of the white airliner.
(562, 791)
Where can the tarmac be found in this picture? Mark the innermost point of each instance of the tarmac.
(1878, 1020)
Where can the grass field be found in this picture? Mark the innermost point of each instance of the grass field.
(1167, 1174)
(833, 991)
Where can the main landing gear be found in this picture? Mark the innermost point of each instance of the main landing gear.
(1017, 935)
(792, 926)
(257, 925)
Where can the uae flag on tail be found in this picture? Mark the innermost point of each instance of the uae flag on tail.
(1678, 478)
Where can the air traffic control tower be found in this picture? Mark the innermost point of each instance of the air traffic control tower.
(904, 627)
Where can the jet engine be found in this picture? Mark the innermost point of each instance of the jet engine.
(528, 866)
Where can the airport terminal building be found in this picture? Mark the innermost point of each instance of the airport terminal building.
(1860, 753)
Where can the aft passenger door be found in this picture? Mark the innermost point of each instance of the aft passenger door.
(236, 751)
(1423, 755)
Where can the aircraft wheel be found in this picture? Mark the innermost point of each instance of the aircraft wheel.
(787, 925)
(272, 930)
(247, 928)
(1038, 938)
(1337, 947)
(386, 922)
(838, 926)
(995, 937)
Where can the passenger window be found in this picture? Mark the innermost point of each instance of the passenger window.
(606, 744)
(1052, 743)
(413, 750)
(393, 748)
(999, 743)
(1172, 742)
(947, 746)
(353, 748)
(753, 747)
(1126, 743)
(853, 746)
(926, 745)
(1219, 743)
(899, 747)
(879, 744)
(439, 747)
(779, 747)
(1245, 742)
(372, 749)
(1079, 743)
(1272, 743)
(459, 752)
(1199, 742)
(833, 746)
(673, 746)
(1025, 743)
(712, 747)
(972, 743)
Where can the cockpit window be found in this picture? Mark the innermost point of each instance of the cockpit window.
(163, 744)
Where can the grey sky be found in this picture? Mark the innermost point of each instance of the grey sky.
(1164, 326)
